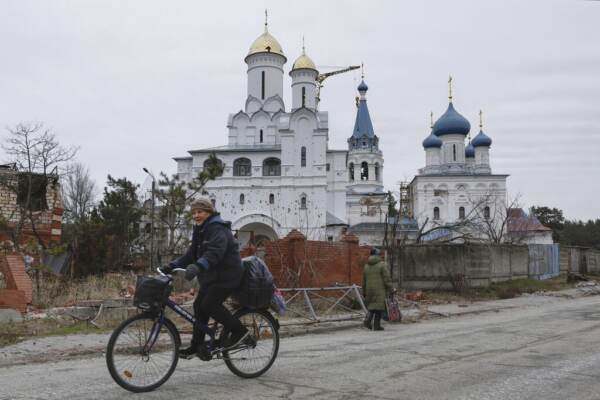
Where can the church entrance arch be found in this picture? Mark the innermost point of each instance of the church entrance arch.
(256, 229)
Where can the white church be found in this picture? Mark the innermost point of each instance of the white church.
(457, 183)
(279, 172)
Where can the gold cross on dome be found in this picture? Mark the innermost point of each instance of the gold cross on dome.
(266, 19)
(450, 88)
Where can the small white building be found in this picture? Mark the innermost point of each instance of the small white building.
(457, 182)
(279, 172)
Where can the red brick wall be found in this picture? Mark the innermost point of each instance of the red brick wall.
(22, 281)
(297, 262)
(19, 288)
(11, 298)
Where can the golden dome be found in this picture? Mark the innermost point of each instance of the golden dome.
(266, 43)
(304, 61)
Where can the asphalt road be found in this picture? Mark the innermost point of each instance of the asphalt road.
(550, 351)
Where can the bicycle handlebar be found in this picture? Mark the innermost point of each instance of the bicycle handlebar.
(174, 270)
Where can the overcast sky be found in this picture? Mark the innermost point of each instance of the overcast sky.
(135, 83)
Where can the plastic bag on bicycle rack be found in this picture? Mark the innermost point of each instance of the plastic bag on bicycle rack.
(151, 292)
(257, 287)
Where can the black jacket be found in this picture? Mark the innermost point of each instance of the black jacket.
(216, 252)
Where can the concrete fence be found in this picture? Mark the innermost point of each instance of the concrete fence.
(583, 260)
(445, 266)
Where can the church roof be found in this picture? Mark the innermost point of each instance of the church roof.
(265, 43)
(331, 219)
(363, 125)
(304, 62)
(240, 148)
(470, 150)
(482, 140)
(432, 141)
(451, 122)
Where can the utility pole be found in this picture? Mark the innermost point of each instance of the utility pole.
(151, 220)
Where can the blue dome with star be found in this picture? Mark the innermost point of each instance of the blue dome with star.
(451, 123)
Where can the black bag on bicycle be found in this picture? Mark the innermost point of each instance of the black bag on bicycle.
(257, 287)
(151, 292)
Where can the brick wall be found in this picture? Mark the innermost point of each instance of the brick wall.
(15, 299)
(19, 288)
(297, 262)
(48, 222)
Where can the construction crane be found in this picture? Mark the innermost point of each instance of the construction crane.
(322, 77)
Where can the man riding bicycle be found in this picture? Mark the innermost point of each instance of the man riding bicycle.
(213, 257)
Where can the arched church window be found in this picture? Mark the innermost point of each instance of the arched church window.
(261, 135)
(376, 171)
(303, 202)
(303, 156)
(242, 167)
(486, 212)
(461, 212)
(351, 171)
(262, 85)
(272, 167)
(364, 171)
(436, 213)
(454, 152)
(271, 198)
(242, 198)
(303, 96)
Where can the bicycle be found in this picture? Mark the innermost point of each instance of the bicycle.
(142, 352)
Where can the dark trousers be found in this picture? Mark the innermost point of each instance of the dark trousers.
(209, 303)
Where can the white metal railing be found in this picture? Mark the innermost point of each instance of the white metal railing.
(313, 314)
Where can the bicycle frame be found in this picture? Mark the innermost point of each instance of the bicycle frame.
(183, 313)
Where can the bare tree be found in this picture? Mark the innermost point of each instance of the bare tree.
(485, 222)
(79, 192)
(491, 219)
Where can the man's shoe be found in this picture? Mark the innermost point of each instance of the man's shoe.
(187, 353)
(203, 353)
(238, 337)
(378, 328)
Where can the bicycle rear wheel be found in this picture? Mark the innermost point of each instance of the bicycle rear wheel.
(250, 361)
(142, 354)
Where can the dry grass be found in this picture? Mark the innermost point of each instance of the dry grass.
(499, 290)
(60, 291)
(16, 332)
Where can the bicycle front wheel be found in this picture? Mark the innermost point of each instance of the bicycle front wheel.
(250, 361)
(142, 353)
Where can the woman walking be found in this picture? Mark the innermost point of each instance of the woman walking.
(377, 285)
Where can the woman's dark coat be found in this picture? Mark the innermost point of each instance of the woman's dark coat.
(215, 251)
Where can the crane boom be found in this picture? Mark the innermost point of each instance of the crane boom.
(322, 77)
(326, 75)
